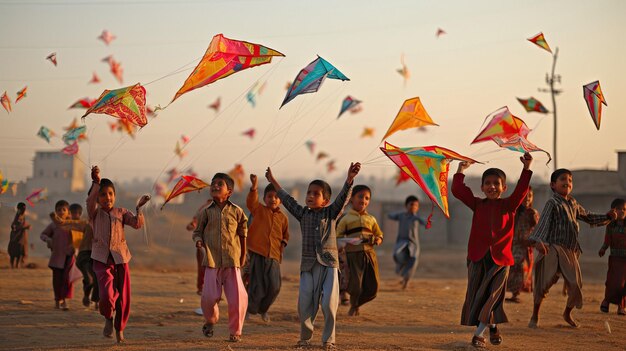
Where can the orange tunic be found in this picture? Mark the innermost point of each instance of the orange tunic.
(269, 231)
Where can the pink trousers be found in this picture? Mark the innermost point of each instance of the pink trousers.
(114, 286)
(230, 280)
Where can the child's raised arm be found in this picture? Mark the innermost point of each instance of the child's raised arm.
(252, 200)
(463, 165)
(527, 159)
(460, 190)
(344, 195)
(270, 178)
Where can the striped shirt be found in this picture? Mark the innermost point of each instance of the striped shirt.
(615, 238)
(356, 225)
(558, 223)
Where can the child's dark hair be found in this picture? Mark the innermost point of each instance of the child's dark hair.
(326, 191)
(230, 183)
(61, 203)
(493, 172)
(409, 199)
(76, 208)
(268, 188)
(559, 172)
(358, 188)
(106, 183)
(21, 206)
(618, 203)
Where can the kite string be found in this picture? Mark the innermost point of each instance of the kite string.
(282, 141)
(176, 71)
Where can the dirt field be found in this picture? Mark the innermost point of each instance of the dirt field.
(424, 317)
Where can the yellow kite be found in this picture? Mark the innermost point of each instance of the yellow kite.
(412, 114)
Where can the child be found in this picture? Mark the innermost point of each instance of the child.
(558, 228)
(18, 241)
(615, 238)
(200, 257)
(318, 266)
(83, 259)
(489, 247)
(110, 252)
(59, 240)
(406, 253)
(520, 274)
(221, 231)
(362, 262)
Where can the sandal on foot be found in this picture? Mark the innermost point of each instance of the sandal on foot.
(494, 336)
(234, 338)
(478, 341)
(329, 346)
(303, 344)
(207, 330)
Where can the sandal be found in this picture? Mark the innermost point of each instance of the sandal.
(478, 341)
(494, 336)
(234, 338)
(207, 330)
(604, 308)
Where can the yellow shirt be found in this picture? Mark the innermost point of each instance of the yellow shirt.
(355, 225)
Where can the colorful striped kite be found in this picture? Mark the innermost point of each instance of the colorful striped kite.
(36, 196)
(83, 103)
(71, 149)
(540, 41)
(126, 103)
(75, 134)
(21, 94)
(520, 144)
(502, 124)
(594, 99)
(311, 77)
(184, 185)
(348, 104)
(4, 184)
(532, 105)
(412, 114)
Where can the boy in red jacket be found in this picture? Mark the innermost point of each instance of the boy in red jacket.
(489, 248)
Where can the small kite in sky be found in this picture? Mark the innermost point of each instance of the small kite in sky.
(108, 59)
(184, 185)
(404, 71)
(310, 144)
(440, 32)
(216, 105)
(255, 90)
(123, 125)
(52, 58)
(21, 94)
(117, 70)
(83, 103)
(311, 77)
(225, 57)
(348, 104)
(594, 99)
(321, 155)
(540, 41)
(36, 196)
(45, 133)
(330, 166)
(72, 125)
(502, 124)
(71, 149)
(178, 150)
(4, 184)
(412, 114)
(107, 37)
(249, 133)
(94, 78)
(75, 134)
(532, 105)
(125, 103)
(238, 175)
(185, 139)
(6, 102)
(367, 132)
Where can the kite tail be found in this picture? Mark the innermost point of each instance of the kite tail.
(430, 216)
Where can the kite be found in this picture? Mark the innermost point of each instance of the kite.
(440, 32)
(108, 59)
(250, 133)
(348, 104)
(4, 184)
(6, 102)
(367, 132)
(321, 155)
(94, 79)
(179, 151)
(116, 70)
(401, 177)
(125, 103)
(225, 57)
(330, 166)
(255, 90)
(311, 77)
(216, 105)
(83, 103)
(594, 99)
(404, 71)
(123, 125)
(540, 41)
(238, 175)
(36, 196)
(428, 166)
(150, 112)
(72, 125)
(107, 37)
(71, 149)
(52, 58)
(184, 185)
(532, 105)
(356, 109)
(412, 114)
(251, 98)
(310, 144)
(75, 134)
(502, 124)
(21, 94)
(185, 139)
(519, 143)
(45, 133)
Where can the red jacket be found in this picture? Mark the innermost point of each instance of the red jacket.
(493, 220)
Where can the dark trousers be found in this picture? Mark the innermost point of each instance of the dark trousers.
(363, 281)
(264, 283)
(90, 281)
(61, 284)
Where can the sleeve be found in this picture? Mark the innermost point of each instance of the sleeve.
(376, 229)
(242, 224)
(135, 221)
(342, 227)
(394, 216)
(520, 191)
(607, 238)
(291, 205)
(462, 192)
(252, 201)
(92, 200)
(543, 227)
(340, 201)
(46, 235)
(285, 239)
(593, 219)
(201, 224)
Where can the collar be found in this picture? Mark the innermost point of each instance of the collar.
(213, 203)
(354, 212)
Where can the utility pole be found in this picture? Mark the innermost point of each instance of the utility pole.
(550, 80)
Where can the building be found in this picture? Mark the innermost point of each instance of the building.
(57, 172)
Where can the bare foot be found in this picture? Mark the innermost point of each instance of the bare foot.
(533, 323)
(119, 335)
(405, 282)
(621, 311)
(64, 305)
(108, 328)
(265, 317)
(567, 316)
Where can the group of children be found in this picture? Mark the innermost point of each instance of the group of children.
(503, 233)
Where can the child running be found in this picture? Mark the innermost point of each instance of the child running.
(362, 262)
(83, 259)
(406, 253)
(318, 266)
(556, 238)
(615, 238)
(18, 240)
(489, 247)
(267, 238)
(110, 252)
(221, 231)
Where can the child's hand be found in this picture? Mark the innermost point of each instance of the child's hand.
(254, 181)
(378, 240)
(269, 176)
(612, 214)
(95, 174)
(527, 159)
(353, 171)
(463, 165)
(541, 247)
(601, 252)
(199, 244)
(143, 200)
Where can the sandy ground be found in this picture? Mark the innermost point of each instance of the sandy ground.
(423, 317)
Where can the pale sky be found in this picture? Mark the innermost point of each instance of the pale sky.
(482, 63)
